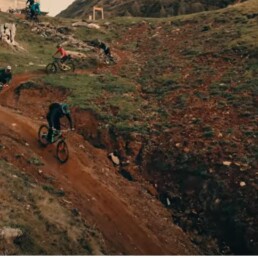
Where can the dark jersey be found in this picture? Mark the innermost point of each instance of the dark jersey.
(56, 113)
(4, 76)
(103, 46)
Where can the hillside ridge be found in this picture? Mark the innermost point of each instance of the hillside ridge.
(142, 8)
(177, 111)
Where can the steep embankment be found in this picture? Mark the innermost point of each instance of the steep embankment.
(125, 227)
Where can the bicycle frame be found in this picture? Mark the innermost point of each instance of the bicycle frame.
(62, 152)
(106, 58)
(60, 135)
(59, 64)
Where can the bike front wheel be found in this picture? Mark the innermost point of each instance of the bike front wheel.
(42, 135)
(51, 68)
(62, 152)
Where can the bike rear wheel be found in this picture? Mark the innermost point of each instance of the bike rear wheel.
(71, 65)
(42, 135)
(109, 60)
(51, 68)
(62, 152)
(112, 60)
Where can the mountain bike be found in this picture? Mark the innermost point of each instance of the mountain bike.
(27, 12)
(107, 59)
(56, 65)
(62, 153)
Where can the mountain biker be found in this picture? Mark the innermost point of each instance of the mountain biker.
(34, 10)
(55, 113)
(6, 74)
(106, 49)
(64, 55)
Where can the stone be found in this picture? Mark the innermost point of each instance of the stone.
(9, 234)
(114, 159)
(81, 146)
(227, 163)
(242, 184)
(80, 24)
(93, 26)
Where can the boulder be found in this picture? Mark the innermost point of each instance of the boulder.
(7, 35)
(9, 234)
(80, 24)
(114, 159)
(93, 26)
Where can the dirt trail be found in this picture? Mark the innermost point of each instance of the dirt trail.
(124, 230)
(101, 205)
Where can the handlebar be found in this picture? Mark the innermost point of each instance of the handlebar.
(56, 58)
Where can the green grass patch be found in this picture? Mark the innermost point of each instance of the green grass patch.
(113, 99)
(52, 190)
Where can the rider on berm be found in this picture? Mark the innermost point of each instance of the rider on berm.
(55, 113)
(6, 74)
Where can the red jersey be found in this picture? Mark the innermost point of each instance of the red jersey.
(61, 51)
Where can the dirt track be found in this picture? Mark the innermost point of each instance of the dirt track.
(125, 231)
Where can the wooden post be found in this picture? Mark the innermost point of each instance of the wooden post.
(100, 9)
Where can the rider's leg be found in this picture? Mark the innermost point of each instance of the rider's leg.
(50, 131)
(57, 126)
(107, 52)
(32, 13)
(63, 60)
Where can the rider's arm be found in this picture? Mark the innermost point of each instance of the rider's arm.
(70, 120)
(9, 78)
(52, 118)
(56, 52)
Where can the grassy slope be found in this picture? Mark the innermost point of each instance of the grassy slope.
(180, 64)
(37, 211)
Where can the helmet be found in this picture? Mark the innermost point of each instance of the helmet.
(65, 109)
(97, 41)
(8, 67)
(58, 45)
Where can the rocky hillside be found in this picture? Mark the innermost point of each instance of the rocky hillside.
(143, 8)
(176, 115)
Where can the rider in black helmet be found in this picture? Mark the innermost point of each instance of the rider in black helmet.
(99, 44)
(6, 74)
(55, 113)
